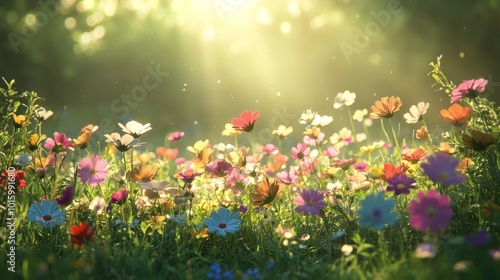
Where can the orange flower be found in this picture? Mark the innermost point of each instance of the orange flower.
(416, 156)
(34, 142)
(144, 173)
(456, 114)
(238, 158)
(313, 132)
(478, 140)
(85, 134)
(169, 154)
(20, 121)
(465, 164)
(422, 133)
(445, 148)
(266, 192)
(385, 107)
(390, 170)
(202, 159)
(246, 121)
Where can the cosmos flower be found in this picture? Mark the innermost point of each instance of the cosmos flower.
(345, 98)
(430, 211)
(309, 201)
(34, 142)
(187, 176)
(98, 205)
(46, 213)
(119, 197)
(400, 184)
(81, 233)
(92, 170)
(229, 130)
(456, 114)
(321, 121)
(66, 196)
(290, 177)
(415, 156)
(282, 132)
(169, 154)
(442, 168)
(265, 192)
(22, 160)
(390, 170)
(41, 114)
(269, 149)
(376, 212)
(300, 151)
(122, 143)
(135, 129)
(155, 185)
(86, 133)
(219, 168)
(307, 117)
(143, 173)
(19, 120)
(470, 88)
(59, 144)
(175, 136)
(385, 107)
(246, 121)
(342, 138)
(422, 133)
(478, 140)
(223, 221)
(416, 113)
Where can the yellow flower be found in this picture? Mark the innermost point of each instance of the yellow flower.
(198, 147)
(283, 131)
(20, 121)
(229, 130)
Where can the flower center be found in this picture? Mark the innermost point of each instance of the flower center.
(222, 225)
(47, 217)
(443, 175)
(92, 171)
(377, 214)
(309, 203)
(431, 212)
(400, 186)
(300, 155)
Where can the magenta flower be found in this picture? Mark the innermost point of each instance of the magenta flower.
(175, 136)
(66, 196)
(219, 168)
(442, 168)
(470, 88)
(119, 197)
(92, 171)
(309, 201)
(430, 211)
(331, 152)
(288, 178)
(300, 151)
(269, 149)
(59, 144)
(400, 183)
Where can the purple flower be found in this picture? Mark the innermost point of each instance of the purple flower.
(470, 88)
(442, 168)
(119, 197)
(219, 168)
(92, 170)
(175, 136)
(478, 238)
(309, 201)
(66, 196)
(430, 211)
(400, 183)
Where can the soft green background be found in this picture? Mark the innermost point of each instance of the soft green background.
(222, 62)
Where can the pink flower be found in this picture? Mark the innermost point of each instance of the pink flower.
(175, 136)
(92, 170)
(119, 197)
(269, 149)
(246, 121)
(59, 144)
(219, 168)
(290, 177)
(430, 211)
(331, 152)
(309, 201)
(470, 88)
(300, 151)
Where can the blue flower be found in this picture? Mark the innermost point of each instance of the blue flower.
(46, 213)
(223, 222)
(376, 212)
(253, 274)
(217, 274)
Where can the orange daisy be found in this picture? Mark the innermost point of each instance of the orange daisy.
(85, 134)
(144, 173)
(385, 107)
(456, 114)
(266, 192)
(416, 156)
(422, 133)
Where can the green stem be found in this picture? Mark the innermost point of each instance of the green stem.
(395, 137)
(384, 131)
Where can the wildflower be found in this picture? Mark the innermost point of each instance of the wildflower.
(92, 170)
(456, 114)
(346, 249)
(390, 170)
(309, 201)
(376, 212)
(266, 191)
(85, 134)
(119, 197)
(41, 114)
(246, 121)
(46, 213)
(416, 113)
(441, 168)
(285, 232)
(66, 196)
(98, 205)
(187, 176)
(478, 140)
(345, 98)
(229, 130)
(144, 173)
(34, 142)
(344, 163)
(370, 148)
(422, 133)
(203, 158)
(307, 117)
(282, 132)
(300, 151)
(425, 251)
(444, 147)
(135, 129)
(122, 143)
(430, 211)
(169, 154)
(385, 107)
(470, 88)
(361, 166)
(270, 149)
(19, 120)
(175, 136)
(81, 233)
(252, 274)
(290, 177)
(331, 152)
(238, 158)
(415, 156)
(464, 164)
(400, 184)
(359, 115)
(155, 185)
(59, 144)
(342, 138)
(223, 222)
(19, 180)
(358, 181)
(321, 121)
(22, 160)
(478, 238)
(219, 168)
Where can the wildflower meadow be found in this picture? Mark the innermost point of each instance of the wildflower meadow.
(355, 202)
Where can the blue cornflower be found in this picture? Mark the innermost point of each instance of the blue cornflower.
(223, 222)
(376, 212)
(46, 213)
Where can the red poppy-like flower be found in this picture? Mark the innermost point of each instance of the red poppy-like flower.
(390, 170)
(456, 114)
(17, 175)
(246, 121)
(416, 156)
(81, 232)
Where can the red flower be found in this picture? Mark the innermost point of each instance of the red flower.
(390, 170)
(246, 121)
(19, 182)
(81, 232)
(416, 156)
